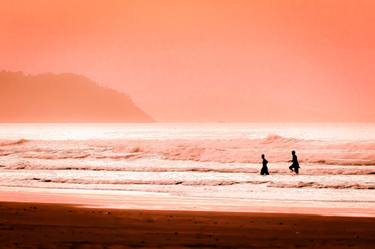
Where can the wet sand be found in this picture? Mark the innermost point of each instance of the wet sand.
(35, 225)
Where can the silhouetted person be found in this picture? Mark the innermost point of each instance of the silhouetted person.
(295, 165)
(264, 170)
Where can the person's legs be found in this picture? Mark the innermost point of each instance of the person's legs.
(291, 167)
(263, 171)
(296, 169)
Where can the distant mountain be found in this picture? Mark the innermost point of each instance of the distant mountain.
(63, 98)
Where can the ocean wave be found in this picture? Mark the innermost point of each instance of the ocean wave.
(267, 183)
(250, 169)
(13, 142)
(276, 148)
(318, 185)
(147, 182)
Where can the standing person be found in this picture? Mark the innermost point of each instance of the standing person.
(264, 170)
(295, 165)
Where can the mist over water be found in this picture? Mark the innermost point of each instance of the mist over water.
(200, 160)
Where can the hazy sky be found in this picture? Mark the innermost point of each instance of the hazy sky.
(206, 60)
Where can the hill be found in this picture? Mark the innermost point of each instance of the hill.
(63, 98)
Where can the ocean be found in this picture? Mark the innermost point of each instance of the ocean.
(218, 161)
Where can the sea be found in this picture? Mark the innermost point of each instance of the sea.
(195, 161)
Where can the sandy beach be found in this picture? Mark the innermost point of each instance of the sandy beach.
(62, 190)
(186, 186)
(36, 225)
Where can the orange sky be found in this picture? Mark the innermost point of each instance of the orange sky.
(206, 60)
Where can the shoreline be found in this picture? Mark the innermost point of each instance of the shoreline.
(134, 200)
(37, 225)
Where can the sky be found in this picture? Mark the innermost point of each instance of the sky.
(206, 60)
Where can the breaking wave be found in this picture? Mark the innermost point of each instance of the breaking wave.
(248, 169)
(13, 142)
(276, 148)
(318, 185)
(267, 183)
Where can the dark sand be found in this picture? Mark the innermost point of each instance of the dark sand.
(30, 225)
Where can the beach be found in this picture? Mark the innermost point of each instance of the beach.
(33, 225)
(170, 124)
(186, 186)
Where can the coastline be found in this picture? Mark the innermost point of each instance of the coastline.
(130, 200)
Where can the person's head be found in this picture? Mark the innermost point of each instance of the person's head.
(262, 156)
(293, 152)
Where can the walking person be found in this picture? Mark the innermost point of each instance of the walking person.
(295, 165)
(264, 170)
